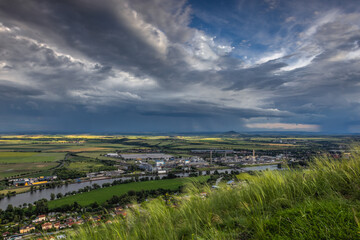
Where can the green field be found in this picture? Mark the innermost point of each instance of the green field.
(29, 157)
(14, 169)
(96, 155)
(84, 166)
(15, 163)
(103, 194)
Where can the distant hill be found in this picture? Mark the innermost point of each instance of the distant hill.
(230, 133)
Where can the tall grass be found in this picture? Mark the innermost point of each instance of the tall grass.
(320, 202)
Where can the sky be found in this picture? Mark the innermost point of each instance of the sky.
(179, 66)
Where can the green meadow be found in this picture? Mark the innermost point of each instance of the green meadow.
(102, 194)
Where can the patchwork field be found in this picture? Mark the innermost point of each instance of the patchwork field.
(84, 166)
(25, 153)
(29, 157)
(15, 169)
(15, 163)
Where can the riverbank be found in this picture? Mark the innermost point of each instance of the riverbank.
(31, 197)
(102, 194)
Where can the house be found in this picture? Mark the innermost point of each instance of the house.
(161, 171)
(95, 218)
(27, 229)
(57, 225)
(80, 221)
(70, 224)
(39, 182)
(118, 209)
(231, 182)
(39, 218)
(203, 194)
(112, 155)
(145, 166)
(159, 163)
(46, 226)
(53, 219)
(121, 213)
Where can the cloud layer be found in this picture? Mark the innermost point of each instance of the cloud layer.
(167, 65)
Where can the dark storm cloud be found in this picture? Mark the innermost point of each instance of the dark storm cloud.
(106, 31)
(10, 90)
(195, 110)
(150, 60)
(256, 77)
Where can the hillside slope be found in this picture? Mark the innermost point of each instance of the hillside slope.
(321, 202)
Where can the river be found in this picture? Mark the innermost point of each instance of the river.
(31, 197)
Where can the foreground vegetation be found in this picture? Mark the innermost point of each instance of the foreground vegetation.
(321, 202)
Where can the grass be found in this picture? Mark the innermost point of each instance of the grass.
(15, 163)
(84, 166)
(14, 169)
(103, 194)
(29, 157)
(17, 190)
(321, 202)
(96, 155)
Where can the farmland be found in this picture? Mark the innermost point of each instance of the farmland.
(30, 154)
(16, 163)
(29, 157)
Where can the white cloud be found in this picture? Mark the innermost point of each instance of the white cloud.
(324, 19)
(4, 29)
(271, 56)
(146, 31)
(300, 63)
(345, 56)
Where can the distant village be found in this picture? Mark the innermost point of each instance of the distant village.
(56, 222)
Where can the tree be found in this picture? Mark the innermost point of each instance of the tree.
(52, 196)
(76, 206)
(41, 206)
(59, 195)
(171, 175)
(10, 208)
